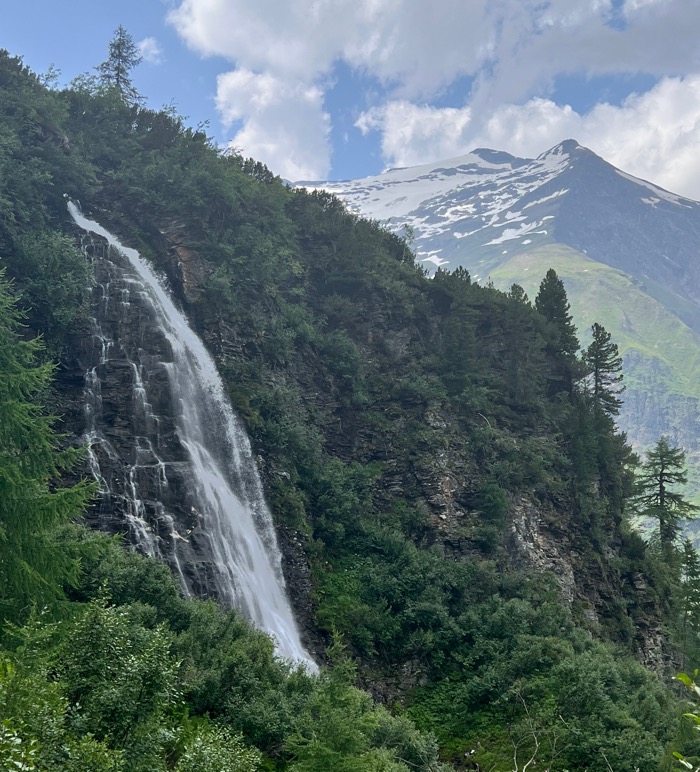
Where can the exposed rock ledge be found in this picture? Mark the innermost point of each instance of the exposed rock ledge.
(531, 547)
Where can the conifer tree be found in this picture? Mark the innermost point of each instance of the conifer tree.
(115, 71)
(518, 294)
(663, 469)
(604, 365)
(560, 333)
(522, 350)
(32, 569)
(553, 304)
(690, 603)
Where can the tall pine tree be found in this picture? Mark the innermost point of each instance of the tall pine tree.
(115, 71)
(664, 469)
(560, 333)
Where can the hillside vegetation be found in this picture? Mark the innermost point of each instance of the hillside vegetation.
(451, 496)
(660, 351)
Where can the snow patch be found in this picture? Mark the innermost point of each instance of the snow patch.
(672, 198)
(449, 191)
(460, 235)
(435, 260)
(556, 194)
(513, 233)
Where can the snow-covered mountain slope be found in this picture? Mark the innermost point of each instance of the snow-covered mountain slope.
(628, 251)
(480, 209)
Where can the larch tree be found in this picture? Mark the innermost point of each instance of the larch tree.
(661, 473)
(115, 71)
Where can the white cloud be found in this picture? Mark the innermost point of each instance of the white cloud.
(514, 45)
(150, 50)
(512, 49)
(538, 41)
(655, 135)
(412, 134)
(631, 6)
(284, 124)
(419, 47)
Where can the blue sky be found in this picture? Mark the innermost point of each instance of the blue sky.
(74, 36)
(334, 89)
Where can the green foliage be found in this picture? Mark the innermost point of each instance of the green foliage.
(551, 302)
(121, 678)
(214, 749)
(54, 277)
(563, 706)
(689, 603)
(35, 710)
(341, 729)
(561, 342)
(115, 71)
(663, 469)
(33, 567)
(15, 752)
(404, 424)
(604, 365)
(690, 758)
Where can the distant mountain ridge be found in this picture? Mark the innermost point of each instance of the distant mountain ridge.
(628, 251)
(486, 199)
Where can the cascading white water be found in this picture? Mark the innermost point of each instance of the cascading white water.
(226, 488)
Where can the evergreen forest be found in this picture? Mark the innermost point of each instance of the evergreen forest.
(451, 494)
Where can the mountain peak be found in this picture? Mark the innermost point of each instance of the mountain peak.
(567, 147)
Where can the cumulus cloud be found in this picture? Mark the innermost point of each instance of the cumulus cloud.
(283, 122)
(655, 135)
(511, 51)
(538, 41)
(412, 134)
(419, 47)
(150, 51)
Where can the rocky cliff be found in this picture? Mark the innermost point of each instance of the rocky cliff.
(420, 450)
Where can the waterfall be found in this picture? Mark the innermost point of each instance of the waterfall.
(172, 461)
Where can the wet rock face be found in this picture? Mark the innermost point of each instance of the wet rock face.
(531, 546)
(173, 463)
(128, 426)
